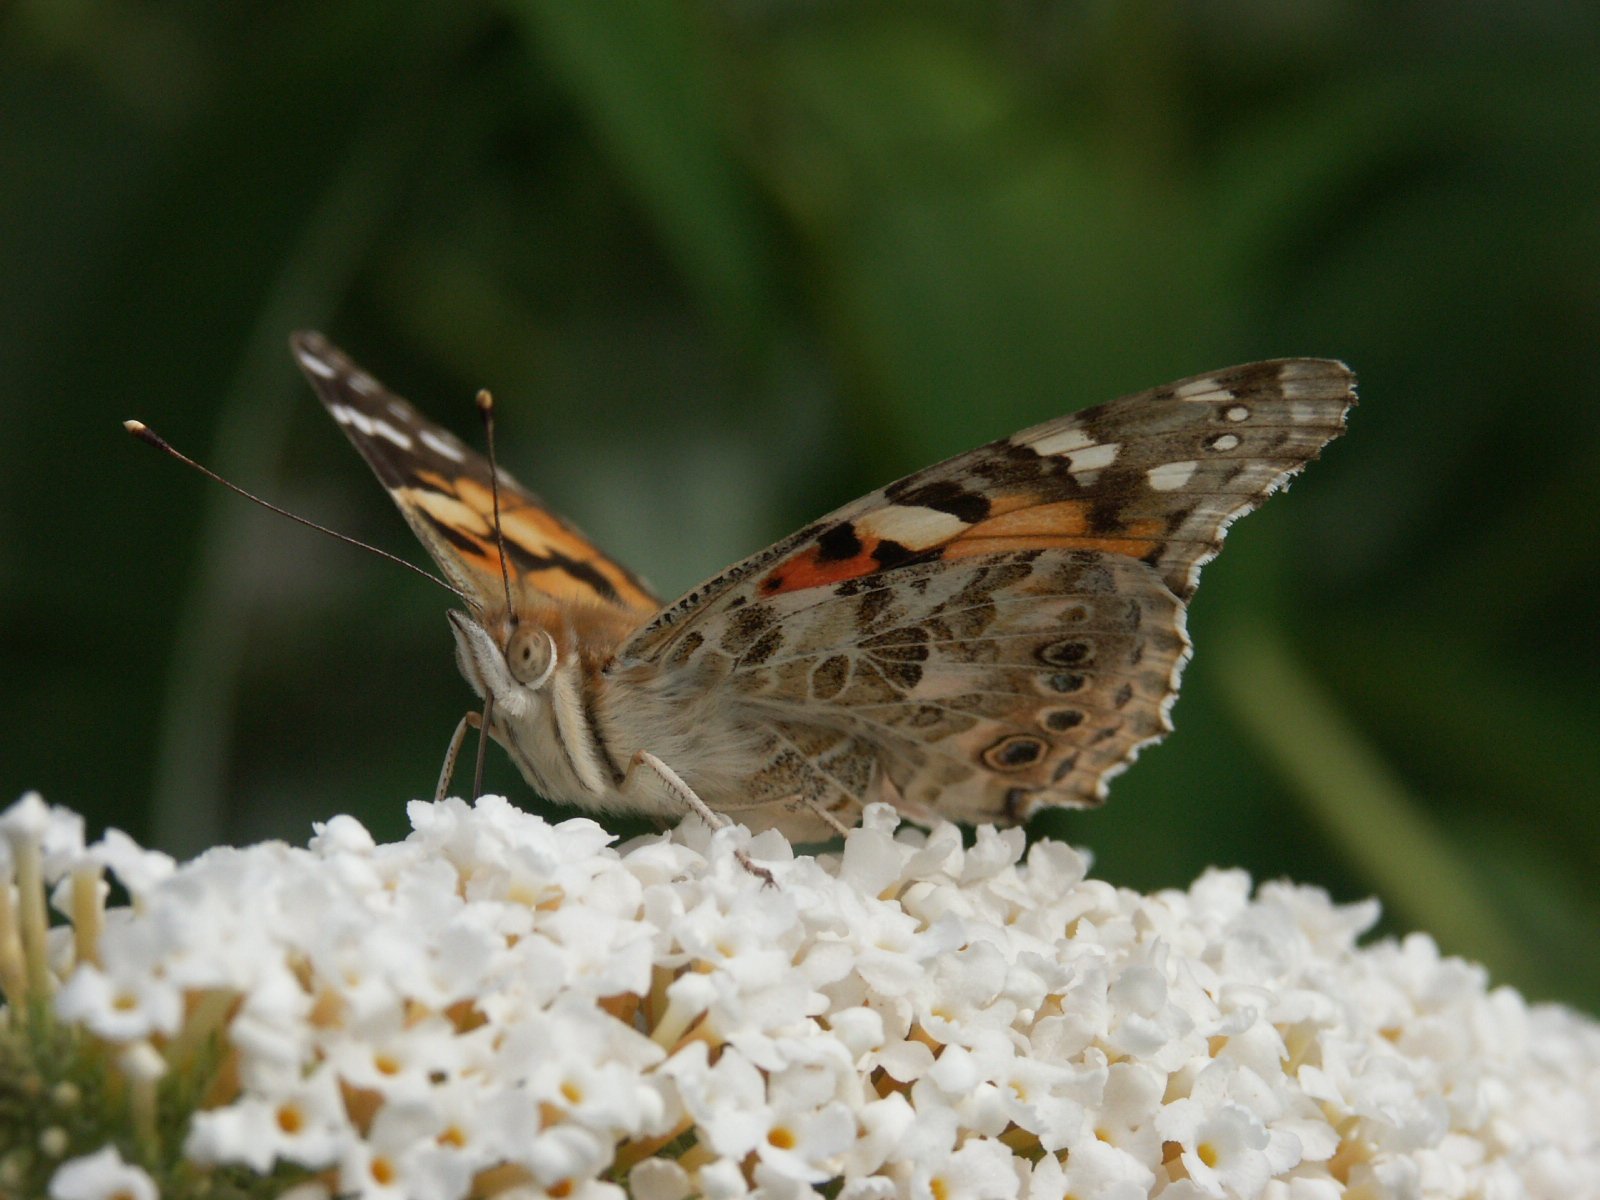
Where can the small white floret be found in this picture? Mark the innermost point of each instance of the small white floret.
(101, 1176)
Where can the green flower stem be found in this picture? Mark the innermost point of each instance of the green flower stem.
(1348, 788)
(13, 972)
(34, 920)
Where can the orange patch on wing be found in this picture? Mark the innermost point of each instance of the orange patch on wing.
(434, 480)
(972, 547)
(538, 526)
(540, 533)
(1063, 525)
(1007, 502)
(809, 569)
(1014, 523)
(467, 506)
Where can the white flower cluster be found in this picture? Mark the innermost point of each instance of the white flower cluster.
(498, 1006)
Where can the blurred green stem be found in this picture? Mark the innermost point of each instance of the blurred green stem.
(1351, 792)
(191, 781)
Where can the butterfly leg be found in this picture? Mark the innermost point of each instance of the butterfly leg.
(685, 795)
(453, 752)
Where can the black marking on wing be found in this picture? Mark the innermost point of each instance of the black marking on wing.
(839, 543)
(942, 495)
(1114, 489)
(893, 554)
(450, 534)
(524, 561)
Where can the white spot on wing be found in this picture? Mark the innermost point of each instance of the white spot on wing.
(371, 427)
(1238, 413)
(1203, 389)
(439, 446)
(1086, 464)
(1298, 379)
(315, 365)
(387, 431)
(364, 383)
(1170, 476)
(912, 525)
(1224, 441)
(1068, 439)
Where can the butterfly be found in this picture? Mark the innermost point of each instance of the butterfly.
(999, 632)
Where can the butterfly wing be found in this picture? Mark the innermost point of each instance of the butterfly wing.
(444, 489)
(1005, 629)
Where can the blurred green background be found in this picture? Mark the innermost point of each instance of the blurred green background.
(728, 265)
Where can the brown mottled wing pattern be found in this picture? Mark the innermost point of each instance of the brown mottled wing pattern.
(1006, 629)
(443, 487)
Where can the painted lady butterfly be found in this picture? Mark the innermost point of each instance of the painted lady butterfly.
(999, 632)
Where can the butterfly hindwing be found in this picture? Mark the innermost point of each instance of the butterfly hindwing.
(977, 688)
(1005, 629)
(443, 488)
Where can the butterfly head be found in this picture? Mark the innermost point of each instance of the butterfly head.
(511, 659)
(539, 672)
(524, 655)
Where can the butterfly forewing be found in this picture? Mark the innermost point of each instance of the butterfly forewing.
(443, 487)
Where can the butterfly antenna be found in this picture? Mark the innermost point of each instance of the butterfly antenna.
(486, 410)
(150, 437)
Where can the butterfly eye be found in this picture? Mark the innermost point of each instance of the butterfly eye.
(531, 655)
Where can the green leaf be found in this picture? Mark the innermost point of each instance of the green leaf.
(640, 75)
